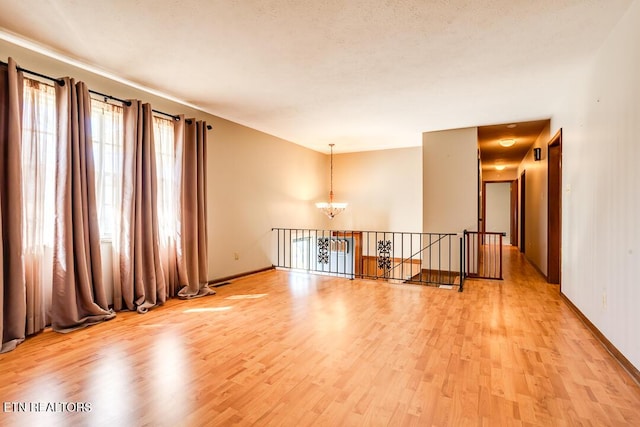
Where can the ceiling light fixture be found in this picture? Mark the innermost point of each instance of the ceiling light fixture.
(512, 125)
(500, 167)
(507, 142)
(331, 209)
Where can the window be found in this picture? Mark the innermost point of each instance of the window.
(40, 143)
(300, 252)
(163, 133)
(107, 136)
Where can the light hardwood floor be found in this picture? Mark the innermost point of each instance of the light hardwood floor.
(280, 348)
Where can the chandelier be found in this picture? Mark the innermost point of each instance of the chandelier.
(331, 209)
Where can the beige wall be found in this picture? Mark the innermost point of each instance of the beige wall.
(450, 180)
(255, 181)
(383, 189)
(496, 175)
(536, 202)
(450, 189)
(600, 121)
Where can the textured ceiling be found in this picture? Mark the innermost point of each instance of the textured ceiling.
(362, 74)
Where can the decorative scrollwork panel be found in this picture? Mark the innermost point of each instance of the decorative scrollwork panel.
(384, 254)
(323, 250)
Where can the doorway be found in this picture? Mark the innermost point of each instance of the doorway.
(497, 208)
(514, 212)
(554, 209)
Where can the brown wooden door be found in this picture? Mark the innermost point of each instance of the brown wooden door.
(554, 238)
(523, 193)
(514, 212)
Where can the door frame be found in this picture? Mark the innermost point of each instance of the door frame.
(523, 196)
(514, 213)
(554, 209)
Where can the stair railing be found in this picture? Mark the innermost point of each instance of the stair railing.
(372, 255)
(484, 254)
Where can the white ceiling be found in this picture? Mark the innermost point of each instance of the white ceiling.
(363, 74)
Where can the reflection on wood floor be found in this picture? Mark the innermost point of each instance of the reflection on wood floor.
(280, 348)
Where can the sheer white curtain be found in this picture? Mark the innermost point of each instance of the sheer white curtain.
(38, 180)
(106, 127)
(107, 136)
(168, 202)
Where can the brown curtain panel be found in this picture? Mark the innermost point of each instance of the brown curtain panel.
(191, 135)
(79, 297)
(141, 285)
(12, 282)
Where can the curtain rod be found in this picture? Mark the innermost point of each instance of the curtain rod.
(124, 101)
(24, 70)
(128, 103)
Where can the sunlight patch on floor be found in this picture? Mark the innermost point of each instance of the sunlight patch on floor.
(207, 309)
(247, 296)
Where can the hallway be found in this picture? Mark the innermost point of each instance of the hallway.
(547, 359)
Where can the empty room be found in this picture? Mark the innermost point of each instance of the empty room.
(341, 213)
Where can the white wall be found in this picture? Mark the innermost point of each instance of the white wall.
(383, 189)
(600, 122)
(498, 208)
